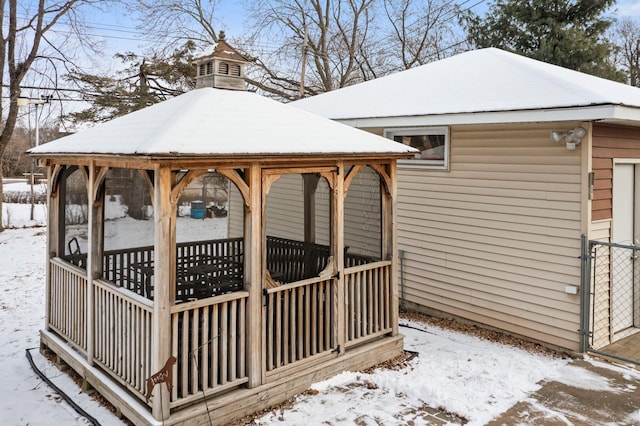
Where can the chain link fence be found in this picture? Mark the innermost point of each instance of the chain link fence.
(614, 302)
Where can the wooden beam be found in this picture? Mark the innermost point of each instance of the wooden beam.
(147, 175)
(99, 175)
(352, 174)
(267, 181)
(95, 248)
(337, 251)
(298, 170)
(234, 176)
(383, 171)
(253, 241)
(189, 177)
(389, 237)
(53, 234)
(54, 179)
(164, 262)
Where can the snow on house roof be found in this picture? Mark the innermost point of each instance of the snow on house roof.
(214, 122)
(481, 81)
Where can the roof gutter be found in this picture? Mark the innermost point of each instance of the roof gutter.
(609, 112)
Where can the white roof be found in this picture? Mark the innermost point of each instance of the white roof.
(481, 85)
(214, 122)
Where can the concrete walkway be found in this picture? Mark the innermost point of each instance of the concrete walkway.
(614, 399)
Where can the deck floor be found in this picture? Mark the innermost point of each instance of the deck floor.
(628, 348)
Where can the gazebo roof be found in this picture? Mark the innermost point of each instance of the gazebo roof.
(210, 122)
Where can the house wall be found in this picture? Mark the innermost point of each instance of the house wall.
(610, 141)
(362, 214)
(285, 208)
(601, 297)
(235, 213)
(497, 237)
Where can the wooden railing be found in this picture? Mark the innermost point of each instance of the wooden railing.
(191, 253)
(123, 335)
(209, 343)
(119, 267)
(293, 260)
(209, 335)
(299, 321)
(368, 301)
(287, 260)
(68, 302)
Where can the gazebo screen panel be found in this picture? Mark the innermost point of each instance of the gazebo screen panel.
(74, 217)
(128, 230)
(208, 262)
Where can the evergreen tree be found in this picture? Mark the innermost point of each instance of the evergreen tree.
(143, 82)
(567, 33)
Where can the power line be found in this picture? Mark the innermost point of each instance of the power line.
(53, 89)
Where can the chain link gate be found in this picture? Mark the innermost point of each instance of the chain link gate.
(611, 303)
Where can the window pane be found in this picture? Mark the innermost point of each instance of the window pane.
(432, 147)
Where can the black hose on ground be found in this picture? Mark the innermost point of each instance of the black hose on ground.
(415, 328)
(64, 396)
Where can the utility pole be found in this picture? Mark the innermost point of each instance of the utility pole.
(305, 44)
(25, 102)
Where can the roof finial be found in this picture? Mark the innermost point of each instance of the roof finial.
(222, 35)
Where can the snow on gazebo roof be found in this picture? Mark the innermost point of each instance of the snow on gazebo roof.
(214, 122)
(480, 81)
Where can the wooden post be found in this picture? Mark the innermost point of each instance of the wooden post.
(53, 236)
(91, 255)
(389, 238)
(337, 247)
(253, 277)
(164, 257)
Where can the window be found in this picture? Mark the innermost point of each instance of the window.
(201, 69)
(223, 68)
(235, 70)
(433, 143)
(209, 68)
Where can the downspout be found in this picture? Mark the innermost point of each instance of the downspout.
(401, 259)
(585, 288)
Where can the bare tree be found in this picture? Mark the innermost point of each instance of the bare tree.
(627, 33)
(22, 41)
(421, 31)
(306, 47)
(332, 33)
(173, 23)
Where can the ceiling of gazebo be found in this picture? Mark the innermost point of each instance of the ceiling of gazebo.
(212, 122)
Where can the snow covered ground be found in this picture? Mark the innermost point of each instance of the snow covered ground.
(465, 375)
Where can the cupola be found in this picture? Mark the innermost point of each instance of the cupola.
(223, 69)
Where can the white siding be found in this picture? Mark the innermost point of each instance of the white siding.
(285, 208)
(601, 302)
(497, 238)
(235, 213)
(285, 212)
(323, 213)
(362, 214)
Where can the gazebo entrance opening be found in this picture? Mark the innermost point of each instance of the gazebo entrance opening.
(208, 260)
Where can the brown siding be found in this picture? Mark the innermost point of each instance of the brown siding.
(609, 142)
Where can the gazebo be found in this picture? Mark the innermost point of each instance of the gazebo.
(176, 302)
